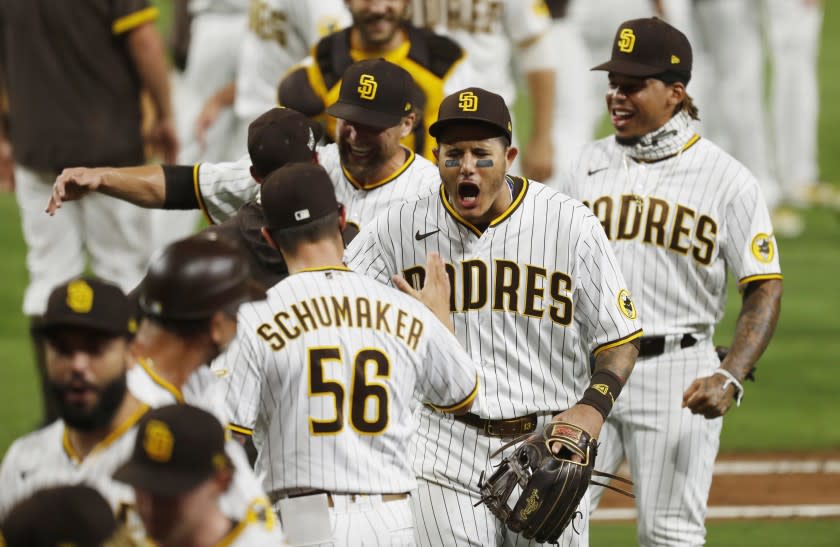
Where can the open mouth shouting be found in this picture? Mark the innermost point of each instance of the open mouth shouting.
(467, 197)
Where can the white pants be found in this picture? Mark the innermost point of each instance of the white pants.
(112, 232)
(448, 458)
(793, 34)
(671, 452)
(362, 521)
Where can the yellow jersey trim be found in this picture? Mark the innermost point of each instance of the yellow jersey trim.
(325, 268)
(159, 380)
(241, 430)
(198, 197)
(638, 334)
(759, 277)
(109, 439)
(134, 20)
(458, 406)
(386, 180)
(394, 56)
(496, 221)
(235, 533)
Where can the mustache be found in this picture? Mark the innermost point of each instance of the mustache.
(375, 17)
(74, 384)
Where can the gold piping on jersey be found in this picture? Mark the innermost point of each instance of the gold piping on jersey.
(384, 181)
(241, 430)
(458, 406)
(638, 334)
(134, 20)
(444, 197)
(108, 440)
(325, 269)
(691, 142)
(758, 277)
(198, 196)
(160, 381)
(231, 536)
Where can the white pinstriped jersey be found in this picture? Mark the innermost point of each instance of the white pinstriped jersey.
(417, 177)
(487, 30)
(198, 7)
(225, 187)
(205, 390)
(331, 366)
(46, 458)
(532, 294)
(280, 34)
(702, 214)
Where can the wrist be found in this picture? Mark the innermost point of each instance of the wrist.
(734, 382)
(602, 392)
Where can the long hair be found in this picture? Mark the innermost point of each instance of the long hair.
(688, 105)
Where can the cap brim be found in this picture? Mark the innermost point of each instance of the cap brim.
(41, 325)
(440, 126)
(357, 114)
(628, 68)
(165, 482)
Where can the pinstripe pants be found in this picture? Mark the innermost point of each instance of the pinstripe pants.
(671, 452)
(448, 458)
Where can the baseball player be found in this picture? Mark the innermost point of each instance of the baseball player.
(179, 470)
(502, 38)
(189, 300)
(369, 167)
(87, 327)
(379, 31)
(331, 365)
(680, 213)
(535, 289)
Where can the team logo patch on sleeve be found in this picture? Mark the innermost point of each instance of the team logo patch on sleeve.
(626, 305)
(763, 248)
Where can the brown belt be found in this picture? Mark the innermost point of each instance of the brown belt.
(300, 492)
(511, 427)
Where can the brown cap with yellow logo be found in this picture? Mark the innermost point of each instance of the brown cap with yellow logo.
(90, 303)
(177, 448)
(650, 48)
(473, 104)
(375, 93)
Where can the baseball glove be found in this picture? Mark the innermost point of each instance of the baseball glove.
(551, 484)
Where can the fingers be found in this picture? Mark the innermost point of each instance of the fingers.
(403, 285)
(691, 393)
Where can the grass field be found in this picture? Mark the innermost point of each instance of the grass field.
(793, 403)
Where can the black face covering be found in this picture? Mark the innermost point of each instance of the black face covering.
(110, 399)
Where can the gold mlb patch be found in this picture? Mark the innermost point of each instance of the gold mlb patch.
(675, 60)
(626, 40)
(158, 441)
(79, 296)
(367, 87)
(763, 248)
(626, 305)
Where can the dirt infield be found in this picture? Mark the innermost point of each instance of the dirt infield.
(766, 480)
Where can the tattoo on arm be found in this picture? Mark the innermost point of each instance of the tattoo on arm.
(619, 360)
(762, 302)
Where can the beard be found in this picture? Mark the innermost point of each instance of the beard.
(110, 398)
(372, 38)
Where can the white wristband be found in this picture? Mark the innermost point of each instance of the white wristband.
(730, 379)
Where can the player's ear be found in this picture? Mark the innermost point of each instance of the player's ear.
(510, 155)
(436, 152)
(269, 239)
(342, 217)
(407, 124)
(677, 94)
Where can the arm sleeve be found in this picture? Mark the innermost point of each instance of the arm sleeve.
(9, 480)
(242, 372)
(180, 193)
(604, 306)
(222, 188)
(749, 247)
(526, 20)
(367, 255)
(449, 380)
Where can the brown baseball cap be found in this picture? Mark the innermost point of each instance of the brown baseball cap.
(374, 92)
(281, 136)
(177, 448)
(650, 47)
(90, 303)
(297, 194)
(193, 278)
(476, 105)
(71, 515)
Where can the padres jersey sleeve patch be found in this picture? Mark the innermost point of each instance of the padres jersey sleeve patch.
(750, 249)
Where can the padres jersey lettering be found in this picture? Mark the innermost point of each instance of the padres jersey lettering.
(534, 293)
(331, 366)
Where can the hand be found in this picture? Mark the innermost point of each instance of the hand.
(538, 159)
(585, 417)
(436, 290)
(706, 396)
(206, 118)
(7, 167)
(164, 139)
(73, 184)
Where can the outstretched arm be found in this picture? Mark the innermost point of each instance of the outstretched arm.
(762, 302)
(143, 185)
